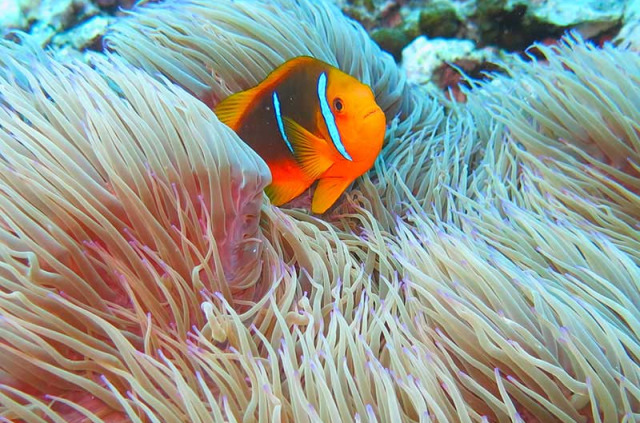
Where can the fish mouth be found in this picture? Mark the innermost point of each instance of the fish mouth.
(372, 112)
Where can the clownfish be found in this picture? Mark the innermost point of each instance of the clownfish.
(308, 121)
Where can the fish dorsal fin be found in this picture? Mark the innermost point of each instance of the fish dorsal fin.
(327, 192)
(313, 153)
(231, 110)
(276, 75)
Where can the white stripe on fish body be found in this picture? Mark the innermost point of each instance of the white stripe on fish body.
(276, 108)
(328, 117)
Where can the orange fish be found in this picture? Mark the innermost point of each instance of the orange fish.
(308, 121)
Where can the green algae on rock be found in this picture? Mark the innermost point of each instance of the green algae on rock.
(439, 19)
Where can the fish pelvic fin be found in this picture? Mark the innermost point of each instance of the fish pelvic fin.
(283, 191)
(313, 154)
(327, 192)
(231, 110)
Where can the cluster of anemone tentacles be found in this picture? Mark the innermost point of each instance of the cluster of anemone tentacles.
(486, 269)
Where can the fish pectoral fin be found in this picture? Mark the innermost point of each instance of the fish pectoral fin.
(284, 191)
(327, 192)
(230, 110)
(312, 153)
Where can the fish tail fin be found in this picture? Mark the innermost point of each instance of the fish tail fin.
(327, 192)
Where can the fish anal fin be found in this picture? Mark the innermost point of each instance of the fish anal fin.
(283, 191)
(312, 153)
(231, 110)
(327, 192)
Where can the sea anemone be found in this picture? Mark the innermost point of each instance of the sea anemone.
(111, 183)
(486, 269)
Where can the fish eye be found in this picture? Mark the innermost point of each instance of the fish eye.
(338, 105)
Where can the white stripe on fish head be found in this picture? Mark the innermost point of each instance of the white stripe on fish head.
(328, 117)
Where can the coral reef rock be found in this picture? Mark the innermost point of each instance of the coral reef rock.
(515, 24)
(630, 31)
(509, 24)
(589, 16)
(12, 14)
(87, 35)
(437, 61)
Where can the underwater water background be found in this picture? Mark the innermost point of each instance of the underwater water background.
(485, 269)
